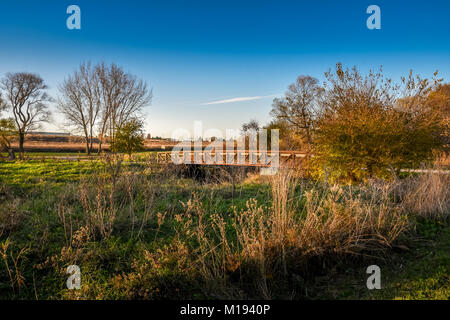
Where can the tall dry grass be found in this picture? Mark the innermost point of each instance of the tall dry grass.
(269, 244)
(428, 195)
(333, 222)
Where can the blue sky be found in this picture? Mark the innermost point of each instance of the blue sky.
(196, 52)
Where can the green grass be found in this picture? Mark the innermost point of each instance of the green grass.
(57, 154)
(35, 172)
(43, 168)
(418, 270)
(422, 273)
(29, 155)
(33, 155)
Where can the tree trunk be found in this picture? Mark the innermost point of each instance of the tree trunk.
(11, 154)
(100, 142)
(87, 147)
(91, 138)
(86, 136)
(21, 141)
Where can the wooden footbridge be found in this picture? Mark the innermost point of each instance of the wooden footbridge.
(245, 158)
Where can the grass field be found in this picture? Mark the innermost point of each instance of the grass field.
(420, 272)
(148, 231)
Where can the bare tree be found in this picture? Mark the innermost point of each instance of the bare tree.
(123, 97)
(251, 125)
(298, 106)
(26, 96)
(80, 101)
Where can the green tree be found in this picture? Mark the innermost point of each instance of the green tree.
(7, 132)
(129, 137)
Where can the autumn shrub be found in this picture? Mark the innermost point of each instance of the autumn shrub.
(368, 127)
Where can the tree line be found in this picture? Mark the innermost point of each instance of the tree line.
(354, 126)
(96, 100)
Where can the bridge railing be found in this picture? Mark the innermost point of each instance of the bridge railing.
(243, 158)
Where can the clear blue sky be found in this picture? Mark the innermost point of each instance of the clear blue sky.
(195, 52)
